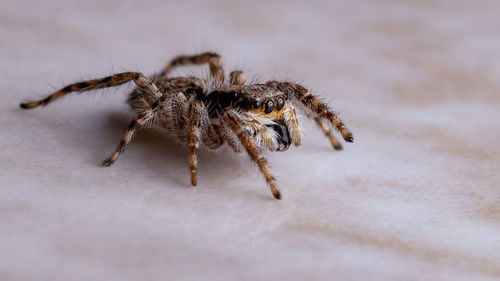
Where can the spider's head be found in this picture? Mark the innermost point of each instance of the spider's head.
(271, 113)
(271, 118)
(267, 114)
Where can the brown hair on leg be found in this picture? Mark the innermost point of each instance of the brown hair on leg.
(236, 78)
(194, 140)
(213, 59)
(234, 122)
(111, 81)
(314, 105)
(140, 121)
(328, 133)
(137, 123)
(229, 137)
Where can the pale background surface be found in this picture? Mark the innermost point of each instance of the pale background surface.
(415, 197)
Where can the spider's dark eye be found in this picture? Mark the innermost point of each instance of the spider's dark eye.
(279, 104)
(233, 95)
(269, 106)
(256, 104)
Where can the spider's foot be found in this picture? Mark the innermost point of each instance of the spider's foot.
(107, 162)
(337, 146)
(194, 181)
(347, 136)
(28, 105)
(277, 194)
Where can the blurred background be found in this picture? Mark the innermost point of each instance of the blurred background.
(415, 197)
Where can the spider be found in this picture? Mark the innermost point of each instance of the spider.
(213, 110)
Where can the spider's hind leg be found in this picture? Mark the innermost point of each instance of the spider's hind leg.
(236, 77)
(114, 80)
(136, 124)
(213, 59)
(144, 119)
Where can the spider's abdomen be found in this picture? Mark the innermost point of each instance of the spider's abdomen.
(139, 100)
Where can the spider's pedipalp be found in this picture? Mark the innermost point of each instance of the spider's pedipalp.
(292, 122)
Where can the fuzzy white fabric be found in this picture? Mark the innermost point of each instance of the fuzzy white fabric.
(415, 197)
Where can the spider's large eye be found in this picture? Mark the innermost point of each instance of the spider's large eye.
(256, 104)
(279, 104)
(269, 106)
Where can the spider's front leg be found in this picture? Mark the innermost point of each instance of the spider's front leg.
(232, 118)
(315, 109)
(326, 130)
(323, 125)
(320, 109)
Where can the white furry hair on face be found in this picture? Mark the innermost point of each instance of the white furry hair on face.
(260, 128)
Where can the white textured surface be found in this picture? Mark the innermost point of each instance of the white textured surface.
(416, 197)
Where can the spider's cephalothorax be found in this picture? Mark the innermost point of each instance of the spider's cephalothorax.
(213, 111)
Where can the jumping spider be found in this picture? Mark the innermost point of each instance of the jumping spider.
(214, 111)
